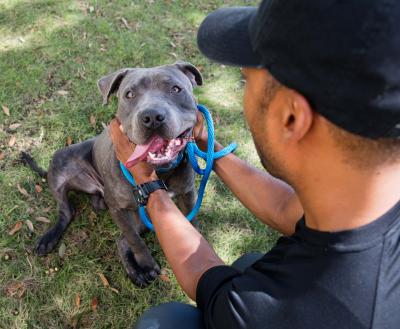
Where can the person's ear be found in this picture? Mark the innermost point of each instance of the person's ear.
(297, 117)
(109, 84)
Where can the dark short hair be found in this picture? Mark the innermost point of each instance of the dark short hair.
(365, 152)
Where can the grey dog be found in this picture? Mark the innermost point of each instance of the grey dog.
(151, 101)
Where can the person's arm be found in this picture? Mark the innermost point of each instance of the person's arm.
(188, 253)
(271, 200)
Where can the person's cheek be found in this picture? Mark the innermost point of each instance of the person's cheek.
(250, 103)
(247, 102)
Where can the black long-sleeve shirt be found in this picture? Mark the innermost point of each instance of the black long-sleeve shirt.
(312, 279)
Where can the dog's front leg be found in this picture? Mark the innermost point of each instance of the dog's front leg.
(136, 257)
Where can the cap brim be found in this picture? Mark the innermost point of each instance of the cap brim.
(224, 37)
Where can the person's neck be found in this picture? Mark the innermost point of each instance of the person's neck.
(337, 200)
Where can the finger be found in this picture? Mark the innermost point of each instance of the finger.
(199, 117)
(115, 132)
(198, 131)
(117, 120)
(120, 125)
(114, 126)
(122, 146)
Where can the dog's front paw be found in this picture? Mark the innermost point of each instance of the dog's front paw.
(48, 241)
(141, 275)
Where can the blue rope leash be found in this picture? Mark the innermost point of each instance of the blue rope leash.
(193, 152)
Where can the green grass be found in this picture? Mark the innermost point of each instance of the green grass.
(52, 45)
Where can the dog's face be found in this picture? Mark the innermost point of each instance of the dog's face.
(155, 101)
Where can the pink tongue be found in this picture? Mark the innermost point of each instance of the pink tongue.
(141, 151)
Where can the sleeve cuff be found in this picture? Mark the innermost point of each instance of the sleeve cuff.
(211, 281)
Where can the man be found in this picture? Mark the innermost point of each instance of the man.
(322, 101)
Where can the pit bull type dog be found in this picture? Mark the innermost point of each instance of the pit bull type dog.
(157, 111)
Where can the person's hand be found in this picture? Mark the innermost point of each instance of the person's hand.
(200, 133)
(142, 172)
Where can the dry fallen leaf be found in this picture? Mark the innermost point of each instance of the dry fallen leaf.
(115, 290)
(16, 228)
(125, 22)
(22, 291)
(22, 190)
(94, 304)
(92, 216)
(77, 300)
(92, 120)
(30, 225)
(12, 141)
(62, 92)
(69, 140)
(6, 110)
(164, 276)
(15, 289)
(14, 126)
(104, 280)
(42, 219)
(62, 250)
(38, 188)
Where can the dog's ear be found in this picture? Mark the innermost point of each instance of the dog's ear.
(109, 84)
(191, 72)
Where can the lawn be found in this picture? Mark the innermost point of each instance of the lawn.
(52, 52)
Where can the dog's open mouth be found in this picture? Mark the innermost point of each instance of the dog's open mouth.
(159, 151)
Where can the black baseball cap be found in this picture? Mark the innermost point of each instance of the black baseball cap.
(342, 55)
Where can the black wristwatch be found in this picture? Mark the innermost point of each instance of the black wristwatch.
(142, 192)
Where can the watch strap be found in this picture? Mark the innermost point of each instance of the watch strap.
(142, 191)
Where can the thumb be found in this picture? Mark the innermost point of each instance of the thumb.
(115, 130)
(198, 129)
(199, 118)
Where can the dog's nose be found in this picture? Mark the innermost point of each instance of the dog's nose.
(152, 118)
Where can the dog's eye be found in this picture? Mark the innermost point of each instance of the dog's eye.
(130, 94)
(176, 90)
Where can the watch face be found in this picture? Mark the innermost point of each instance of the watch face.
(139, 196)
